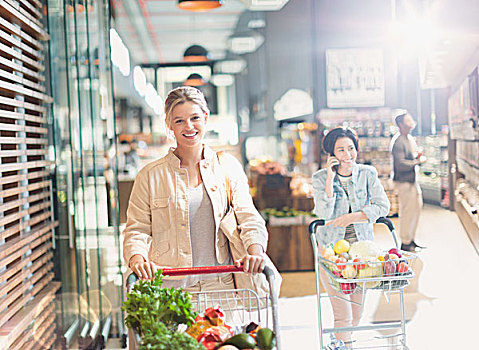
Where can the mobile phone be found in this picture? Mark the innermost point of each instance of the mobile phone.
(334, 167)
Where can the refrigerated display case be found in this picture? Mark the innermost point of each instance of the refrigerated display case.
(433, 175)
(464, 124)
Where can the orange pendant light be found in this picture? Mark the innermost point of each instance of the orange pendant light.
(199, 5)
(194, 80)
(195, 53)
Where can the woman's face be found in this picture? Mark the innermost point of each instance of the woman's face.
(345, 152)
(188, 123)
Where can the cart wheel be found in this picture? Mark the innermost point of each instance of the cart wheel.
(124, 341)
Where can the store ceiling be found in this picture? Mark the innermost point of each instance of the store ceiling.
(157, 31)
(457, 41)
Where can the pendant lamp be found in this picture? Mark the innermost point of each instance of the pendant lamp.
(199, 5)
(194, 79)
(195, 53)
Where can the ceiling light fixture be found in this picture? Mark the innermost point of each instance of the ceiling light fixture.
(195, 53)
(222, 79)
(241, 43)
(194, 79)
(264, 5)
(256, 23)
(199, 5)
(231, 66)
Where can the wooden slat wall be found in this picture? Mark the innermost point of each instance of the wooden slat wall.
(27, 312)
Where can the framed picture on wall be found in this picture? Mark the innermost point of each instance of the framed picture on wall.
(355, 78)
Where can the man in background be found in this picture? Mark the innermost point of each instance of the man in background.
(128, 159)
(406, 159)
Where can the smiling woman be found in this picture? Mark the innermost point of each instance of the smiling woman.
(178, 203)
(351, 198)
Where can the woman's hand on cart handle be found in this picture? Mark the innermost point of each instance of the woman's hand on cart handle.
(142, 268)
(253, 262)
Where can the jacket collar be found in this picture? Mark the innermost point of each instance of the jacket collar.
(208, 156)
(354, 175)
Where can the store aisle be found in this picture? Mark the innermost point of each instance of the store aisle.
(441, 307)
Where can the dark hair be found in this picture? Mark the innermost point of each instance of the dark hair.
(400, 118)
(329, 141)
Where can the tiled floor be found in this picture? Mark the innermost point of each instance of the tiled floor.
(442, 306)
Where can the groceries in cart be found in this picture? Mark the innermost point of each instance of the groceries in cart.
(165, 318)
(211, 330)
(351, 270)
(362, 265)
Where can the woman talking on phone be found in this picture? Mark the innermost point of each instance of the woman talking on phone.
(351, 198)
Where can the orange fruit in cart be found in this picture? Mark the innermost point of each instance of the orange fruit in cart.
(381, 258)
(341, 246)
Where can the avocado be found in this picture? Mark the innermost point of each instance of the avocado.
(241, 341)
(265, 339)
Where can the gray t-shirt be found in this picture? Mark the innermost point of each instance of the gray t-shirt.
(202, 233)
(403, 149)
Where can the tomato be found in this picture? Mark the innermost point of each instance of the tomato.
(341, 260)
(359, 266)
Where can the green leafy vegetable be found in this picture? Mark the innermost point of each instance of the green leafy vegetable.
(165, 339)
(148, 306)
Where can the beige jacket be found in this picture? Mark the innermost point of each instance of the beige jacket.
(158, 223)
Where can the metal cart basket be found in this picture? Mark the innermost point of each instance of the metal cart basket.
(386, 282)
(240, 306)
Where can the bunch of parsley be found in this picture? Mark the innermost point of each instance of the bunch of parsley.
(155, 313)
(165, 339)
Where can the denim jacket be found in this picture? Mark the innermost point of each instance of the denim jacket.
(366, 194)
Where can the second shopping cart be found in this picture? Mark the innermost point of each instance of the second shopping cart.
(389, 272)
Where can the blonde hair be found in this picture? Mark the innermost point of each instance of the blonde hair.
(182, 95)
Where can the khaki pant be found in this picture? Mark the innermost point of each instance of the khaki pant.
(410, 205)
(346, 313)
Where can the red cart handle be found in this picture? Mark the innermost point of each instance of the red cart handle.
(204, 270)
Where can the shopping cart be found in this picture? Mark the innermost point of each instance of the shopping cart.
(386, 282)
(241, 306)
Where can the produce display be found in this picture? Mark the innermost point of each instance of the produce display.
(362, 265)
(266, 167)
(165, 320)
(287, 216)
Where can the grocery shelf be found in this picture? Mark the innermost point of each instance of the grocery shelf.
(469, 221)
